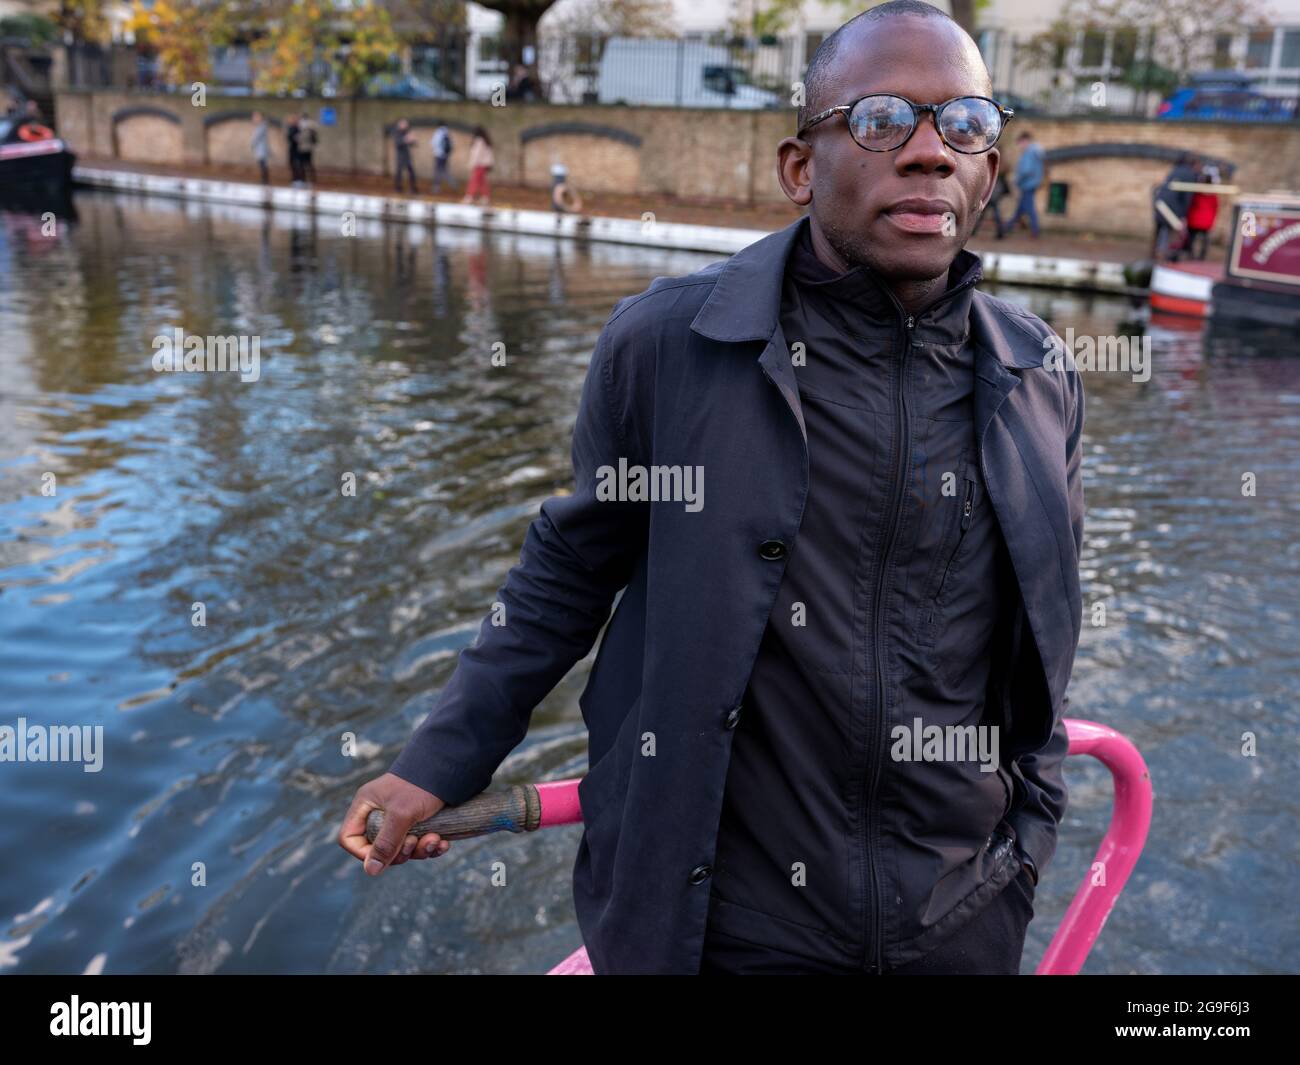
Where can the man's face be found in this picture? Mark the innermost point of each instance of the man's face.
(906, 213)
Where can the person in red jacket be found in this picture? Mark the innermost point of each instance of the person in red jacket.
(1201, 213)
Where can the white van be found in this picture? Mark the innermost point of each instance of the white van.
(676, 73)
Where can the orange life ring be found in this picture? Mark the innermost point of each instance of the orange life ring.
(34, 131)
(566, 199)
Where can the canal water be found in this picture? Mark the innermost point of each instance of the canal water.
(206, 840)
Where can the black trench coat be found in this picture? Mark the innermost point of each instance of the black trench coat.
(695, 372)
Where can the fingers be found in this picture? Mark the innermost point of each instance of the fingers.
(431, 845)
(388, 844)
(352, 834)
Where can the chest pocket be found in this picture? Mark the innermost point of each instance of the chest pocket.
(966, 528)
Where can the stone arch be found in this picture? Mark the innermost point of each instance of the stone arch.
(1135, 150)
(600, 158)
(1111, 183)
(147, 134)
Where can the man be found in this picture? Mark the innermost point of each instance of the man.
(403, 138)
(307, 138)
(442, 157)
(1029, 176)
(292, 136)
(261, 146)
(890, 537)
(1170, 207)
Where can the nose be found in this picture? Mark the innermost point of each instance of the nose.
(925, 152)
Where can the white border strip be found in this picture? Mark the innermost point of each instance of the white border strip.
(1003, 267)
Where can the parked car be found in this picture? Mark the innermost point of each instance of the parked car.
(676, 73)
(409, 87)
(1227, 97)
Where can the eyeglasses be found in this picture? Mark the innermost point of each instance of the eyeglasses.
(883, 122)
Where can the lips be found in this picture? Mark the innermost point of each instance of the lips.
(922, 216)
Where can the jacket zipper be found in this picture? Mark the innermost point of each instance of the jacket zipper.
(900, 477)
(967, 510)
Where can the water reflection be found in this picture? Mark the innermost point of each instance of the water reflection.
(329, 614)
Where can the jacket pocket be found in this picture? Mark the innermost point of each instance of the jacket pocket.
(952, 551)
(971, 489)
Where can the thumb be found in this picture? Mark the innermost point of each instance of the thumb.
(389, 841)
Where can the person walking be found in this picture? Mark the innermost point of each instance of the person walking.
(1170, 206)
(890, 544)
(261, 146)
(481, 161)
(1029, 176)
(442, 147)
(403, 138)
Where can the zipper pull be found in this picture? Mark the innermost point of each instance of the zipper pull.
(911, 321)
(969, 506)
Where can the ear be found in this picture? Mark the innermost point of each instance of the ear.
(794, 170)
(991, 175)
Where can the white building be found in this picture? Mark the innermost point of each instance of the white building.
(1271, 55)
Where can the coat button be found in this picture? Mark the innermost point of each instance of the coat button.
(700, 874)
(733, 716)
(772, 550)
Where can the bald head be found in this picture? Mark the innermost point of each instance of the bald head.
(821, 78)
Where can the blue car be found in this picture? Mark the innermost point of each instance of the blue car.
(1226, 97)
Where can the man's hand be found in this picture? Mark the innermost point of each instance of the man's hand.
(403, 804)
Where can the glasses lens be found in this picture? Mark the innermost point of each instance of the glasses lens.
(880, 123)
(971, 124)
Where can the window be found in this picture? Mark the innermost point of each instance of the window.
(1259, 49)
(1094, 48)
(1223, 51)
(1290, 49)
(589, 49)
(1124, 48)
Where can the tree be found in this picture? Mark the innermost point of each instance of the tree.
(297, 36)
(520, 29)
(181, 33)
(613, 18)
(85, 20)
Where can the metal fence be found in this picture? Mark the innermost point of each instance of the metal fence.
(1118, 73)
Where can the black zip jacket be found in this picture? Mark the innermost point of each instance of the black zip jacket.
(884, 624)
(697, 371)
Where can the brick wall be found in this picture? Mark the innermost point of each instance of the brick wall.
(725, 156)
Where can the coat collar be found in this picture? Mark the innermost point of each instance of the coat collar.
(745, 305)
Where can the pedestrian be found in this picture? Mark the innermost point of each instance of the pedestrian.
(770, 641)
(1202, 212)
(1001, 190)
(1170, 206)
(481, 161)
(403, 138)
(261, 146)
(564, 197)
(292, 130)
(1029, 176)
(307, 138)
(521, 86)
(442, 147)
